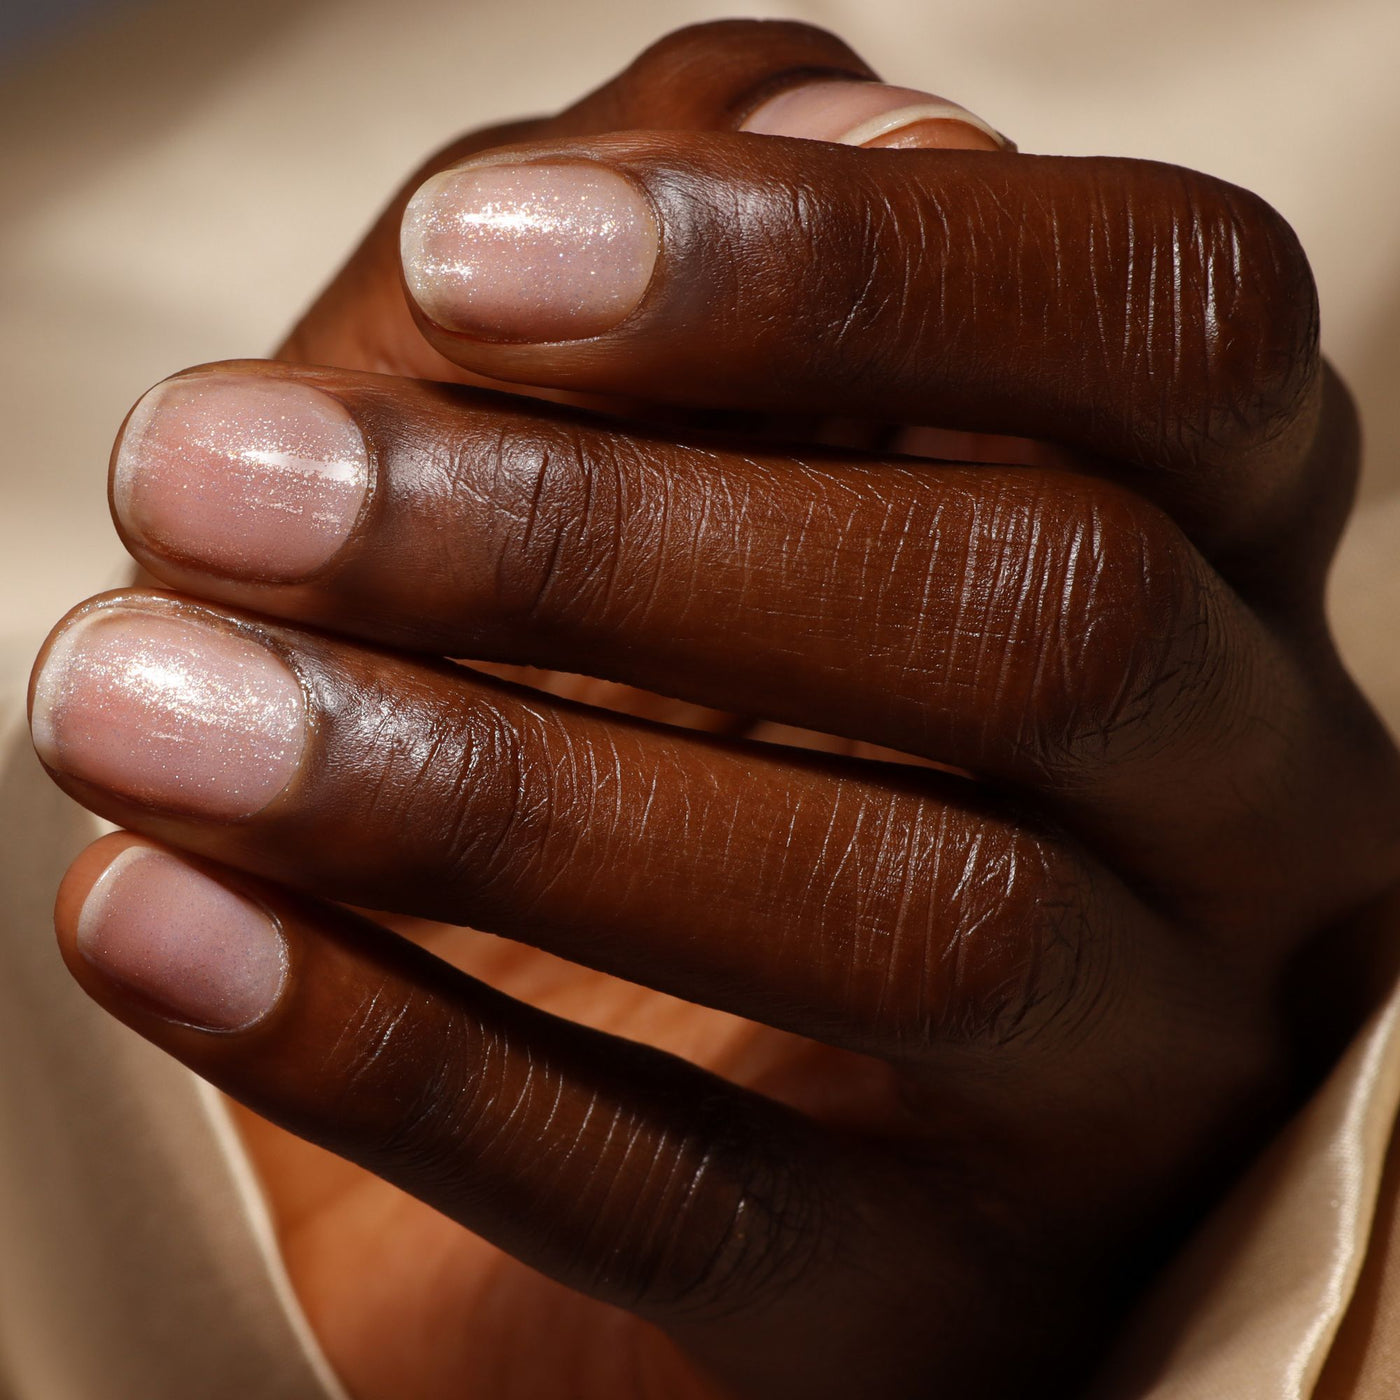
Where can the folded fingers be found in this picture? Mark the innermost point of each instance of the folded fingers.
(871, 906)
(701, 78)
(621, 1171)
(1045, 629)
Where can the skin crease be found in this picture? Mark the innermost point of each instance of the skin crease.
(411, 1307)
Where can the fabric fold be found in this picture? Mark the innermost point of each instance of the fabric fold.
(1250, 1309)
(138, 1260)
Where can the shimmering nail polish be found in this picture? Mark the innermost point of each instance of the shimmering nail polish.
(872, 114)
(169, 712)
(240, 474)
(529, 252)
(190, 949)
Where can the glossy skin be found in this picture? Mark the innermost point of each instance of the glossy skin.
(985, 1034)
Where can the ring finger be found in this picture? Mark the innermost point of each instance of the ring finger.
(880, 908)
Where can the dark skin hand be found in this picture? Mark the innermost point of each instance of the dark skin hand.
(934, 1041)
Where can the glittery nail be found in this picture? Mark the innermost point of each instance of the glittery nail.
(529, 252)
(872, 114)
(242, 475)
(192, 950)
(168, 712)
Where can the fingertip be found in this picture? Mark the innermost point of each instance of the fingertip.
(132, 697)
(147, 932)
(872, 115)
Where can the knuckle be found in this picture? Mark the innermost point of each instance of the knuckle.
(1015, 946)
(587, 531)
(554, 524)
(1147, 623)
(502, 816)
(398, 1098)
(1115, 624)
(430, 1103)
(1241, 291)
(723, 1217)
(697, 50)
(487, 797)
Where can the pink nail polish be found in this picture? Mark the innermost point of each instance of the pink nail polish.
(871, 114)
(529, 252)
(241, 475)
(169, 712)
(193, 950)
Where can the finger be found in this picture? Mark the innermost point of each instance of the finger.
(1138, 313)
(703, 77)
(616, 1169)
(874, 907)
(1047, 630)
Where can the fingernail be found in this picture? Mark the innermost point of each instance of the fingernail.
(529, 252)
(241, 475)
(169, 712)
(871, 114)
(195, 951)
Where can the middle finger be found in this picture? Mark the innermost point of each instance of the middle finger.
(1045, 629)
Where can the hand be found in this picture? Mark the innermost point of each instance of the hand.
(1011, 1021)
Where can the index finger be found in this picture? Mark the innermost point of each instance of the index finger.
(1144, 315)
(704, 77)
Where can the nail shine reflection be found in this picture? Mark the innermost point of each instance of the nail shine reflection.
(241, 474)
(170, 712)
(528, 252)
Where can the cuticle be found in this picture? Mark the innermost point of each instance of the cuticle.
(275, 1005)
(372, 464)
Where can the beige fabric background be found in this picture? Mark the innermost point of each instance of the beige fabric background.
(176, 182)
